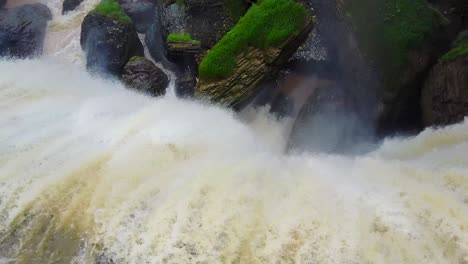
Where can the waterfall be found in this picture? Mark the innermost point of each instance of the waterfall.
(91, 172)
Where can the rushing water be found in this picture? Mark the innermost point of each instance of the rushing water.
(92, 172)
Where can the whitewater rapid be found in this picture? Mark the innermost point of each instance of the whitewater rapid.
(91, 172)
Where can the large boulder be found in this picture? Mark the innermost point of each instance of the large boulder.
(141, 74)
(109, 40)
(232, 71)
(70, 5)
(445, 94)
(22, 30)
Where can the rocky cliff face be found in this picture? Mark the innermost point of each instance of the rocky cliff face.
(445, 95)
(252, 67)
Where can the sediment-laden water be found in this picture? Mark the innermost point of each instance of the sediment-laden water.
(91, 172)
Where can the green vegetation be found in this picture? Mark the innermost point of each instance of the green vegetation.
(267, 23)
(112, 9)
(389, 29)
(460, 47)
(182, 38)
(180, 3)
(135, 58)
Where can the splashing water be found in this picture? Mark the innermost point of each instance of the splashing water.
(93, 173)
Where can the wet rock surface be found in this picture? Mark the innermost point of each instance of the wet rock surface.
(445, 94)
(108, 43)
(70, 5)
(142, 75)
(23, 29)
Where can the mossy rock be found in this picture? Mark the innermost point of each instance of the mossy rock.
(112, 9)
(268, 23)
(388, 30)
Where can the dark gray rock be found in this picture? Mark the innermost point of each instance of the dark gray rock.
(2, 3)
(140, 11)
(209, 20)
(108, 43)
(142, 75)
(70, 5)
(22, 30)
(206, 20)
(445, 94)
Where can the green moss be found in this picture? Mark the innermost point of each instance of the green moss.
(182, 38)
(180, 3)
(459, 47)
(267, 23)
(389, 29)
(135, 58)
(112, 9)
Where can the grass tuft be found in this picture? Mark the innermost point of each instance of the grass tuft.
(182, 38)
(460, 47)
(266, 24)
(112, 9)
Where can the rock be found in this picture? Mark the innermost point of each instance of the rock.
(70, 5)
(155, 39)
(252, 68)
(444, 98)
(2, 3)
(185, 84)
(142, 13)
(22, 30)
(209, 20)
(206, 20)
(108, 43)
(141, 74)
(394, 43)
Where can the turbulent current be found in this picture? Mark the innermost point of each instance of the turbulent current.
(91, 172)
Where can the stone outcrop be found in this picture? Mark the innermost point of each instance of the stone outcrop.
(252, 67)
(141, 74)
(206, 20)
(209, 20)
(22, 30)
(140, 11)
(444, 98)
(108, 43)
(184, 55)
(70, 5)
(383, 50)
